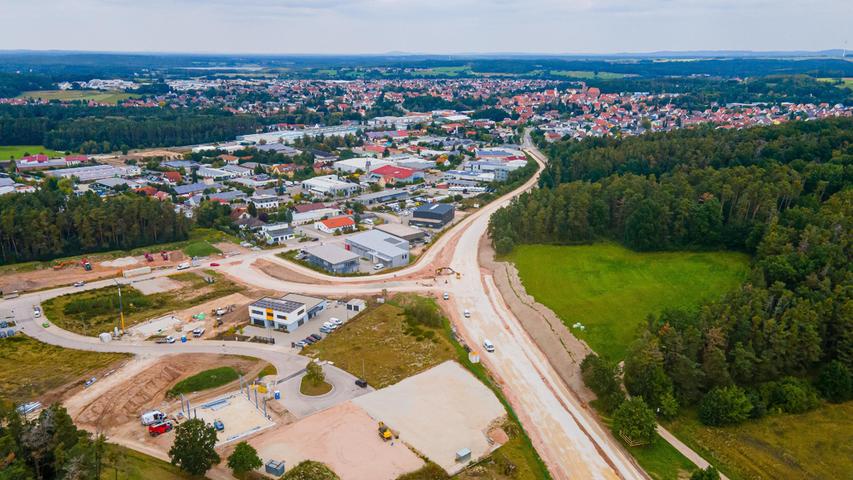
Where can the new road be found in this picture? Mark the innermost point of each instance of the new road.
(565, 433)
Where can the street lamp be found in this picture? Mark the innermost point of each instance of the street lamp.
(120, 307)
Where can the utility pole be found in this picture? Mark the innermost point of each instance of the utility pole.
(120, 308)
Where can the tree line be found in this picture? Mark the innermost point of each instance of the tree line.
(50, 223)
(784, 337)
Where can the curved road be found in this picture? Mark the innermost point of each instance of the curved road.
(566, 435)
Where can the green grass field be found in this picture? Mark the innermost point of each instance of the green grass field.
(611, 290)
(846, 82)
(377, 341)
(201, 248)
(9, 152)
(215, 377)
(83, 95)
(126, 464)
(817, 444)
(31, 368)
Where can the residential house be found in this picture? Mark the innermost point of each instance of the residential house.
(335, 224)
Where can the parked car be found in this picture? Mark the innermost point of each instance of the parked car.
(467, 313)
(336, 321)
(198, 332)
(218, 425)
(159, 429)
(325, 330)
(214, 264)
(309, 340)
(170, 339)
(378, 266)
(361, 382)
(488, 345)
(36, 312)
(316, 337)
(446, 296)
(79, 284)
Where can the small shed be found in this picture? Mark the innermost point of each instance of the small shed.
(356, 305)
(463, 455)
(275, 467)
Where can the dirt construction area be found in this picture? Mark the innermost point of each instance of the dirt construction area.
(439, 412)
(345, 438)
(238, 414)
(140, 386)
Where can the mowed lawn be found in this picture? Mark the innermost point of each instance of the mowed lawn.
(816, 444)
(611, 290)
(8, 152)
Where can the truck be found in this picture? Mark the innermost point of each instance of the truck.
(149, 257)
(152, 417)
(198, 332)
(183, 266)
(159, 428)
(87, 265)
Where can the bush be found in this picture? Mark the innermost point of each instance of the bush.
(423, 313)
(709, 473)
(244, 459)
(310, 470)
(724, 406)
(791, 395)
(602, 377)
(635, 420)
(835, 382)
(504, 245)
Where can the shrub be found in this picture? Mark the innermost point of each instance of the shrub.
(504, 245)
(423, 313)
(709, 473)
(724, 406)
(244, 459)
(791, 395)
(835, 382)
(635, 420)
(310, 470)
(602, 377)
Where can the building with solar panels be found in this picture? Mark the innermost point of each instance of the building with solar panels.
(286, 313)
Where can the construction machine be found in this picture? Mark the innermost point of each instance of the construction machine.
(86, 264)
(386, 433)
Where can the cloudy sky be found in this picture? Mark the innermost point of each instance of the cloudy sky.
(424, 26)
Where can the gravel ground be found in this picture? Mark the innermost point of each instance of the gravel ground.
(438, 412)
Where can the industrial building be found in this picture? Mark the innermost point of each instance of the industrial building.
(87, 174)
(405, 232)
(329, 185)
(433, 215)
(332, 258)
(380, 247)
(382, 196)
(286, 313)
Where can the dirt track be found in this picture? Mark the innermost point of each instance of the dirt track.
(564, 351)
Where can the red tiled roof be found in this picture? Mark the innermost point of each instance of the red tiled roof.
(308, 207)
(338, 222)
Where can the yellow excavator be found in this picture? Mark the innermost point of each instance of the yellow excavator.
(385, 433)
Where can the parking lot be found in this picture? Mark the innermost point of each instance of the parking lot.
(333, 310)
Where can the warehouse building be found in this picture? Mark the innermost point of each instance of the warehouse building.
(332, 258)
(329, 185)
(433, 215)
(380, 247)
(407, 233)
(382, 196)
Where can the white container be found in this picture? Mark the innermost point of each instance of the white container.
(105, 337)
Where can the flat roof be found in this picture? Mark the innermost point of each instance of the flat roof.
(280, 305)
(309, 302)
(380, 242)
(381, 194)
(400, 230)
(332, 254)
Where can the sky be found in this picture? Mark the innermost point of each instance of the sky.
(424, 26)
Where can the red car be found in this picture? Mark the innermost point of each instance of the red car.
(160, 428)
(214, 264)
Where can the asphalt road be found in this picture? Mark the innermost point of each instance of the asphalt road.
(566, 435)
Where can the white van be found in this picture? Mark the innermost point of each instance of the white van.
(488, 345)
(152, 417)
(183, 266)
(467, 313)
(446, 296)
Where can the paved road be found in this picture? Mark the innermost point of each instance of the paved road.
(566, 435)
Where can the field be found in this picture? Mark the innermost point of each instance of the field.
(375, 344)
(587, 74)
(127, 464)
(31, 368)
(817, 444)
(94, 311)
(611, 290)
(445, 71)
(9, 152)
(846, 82)
(215, 377)
(306, 387)
(82, 95)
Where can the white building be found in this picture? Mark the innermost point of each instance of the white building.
(286, 313)
(265, 202)
(329, 185)
(363, 164)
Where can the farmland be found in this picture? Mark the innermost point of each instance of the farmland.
(79, 95)
(611, 290)
(9, 152)
(31, 368)
(587, 74)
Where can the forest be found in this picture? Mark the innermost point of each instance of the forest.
(782, 194)
(51, 223)
(104, 129)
